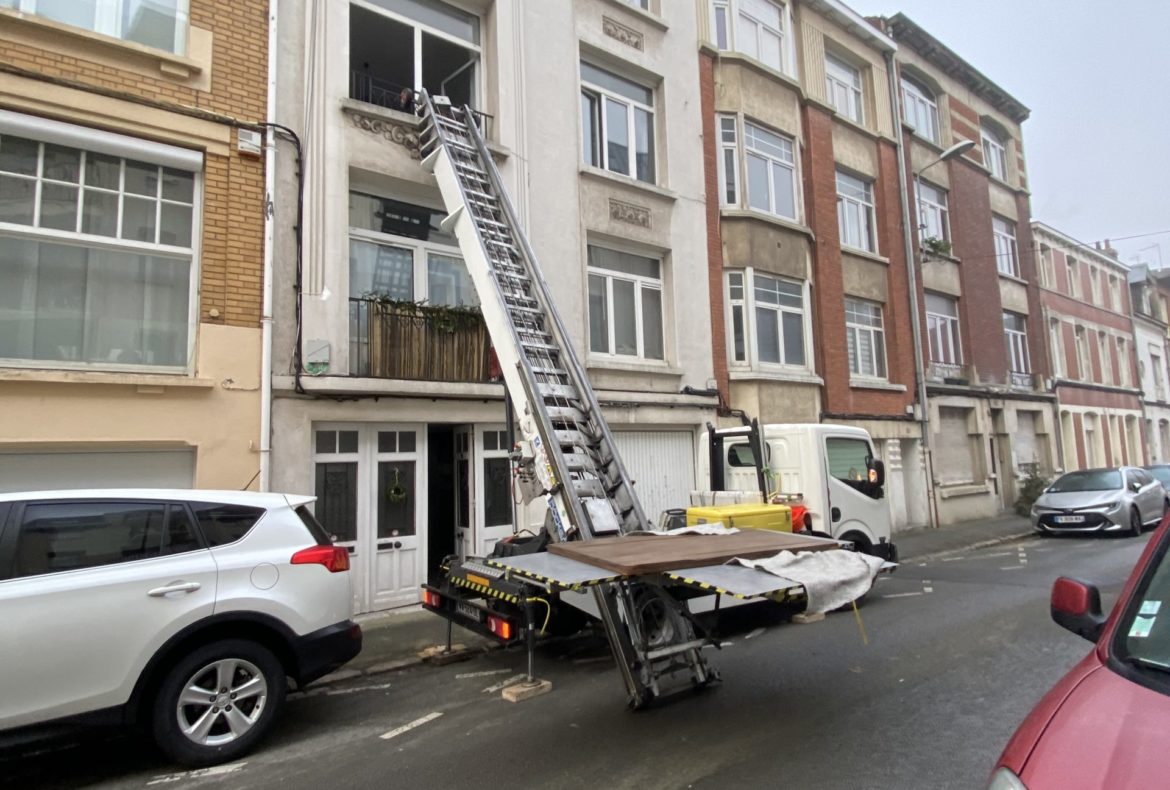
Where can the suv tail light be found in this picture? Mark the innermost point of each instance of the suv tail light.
(334, 558)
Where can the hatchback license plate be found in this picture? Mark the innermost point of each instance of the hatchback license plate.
(1069, 519)
(467, 610)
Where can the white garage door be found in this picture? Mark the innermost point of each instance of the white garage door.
(662, 465)
(39, 471)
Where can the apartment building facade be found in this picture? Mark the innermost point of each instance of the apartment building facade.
(1085, 302)
(1150, 302)
(590, 109)
(805, 226)
(990, 416)
(131, 242)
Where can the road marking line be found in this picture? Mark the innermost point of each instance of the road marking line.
(755, 632)
(726, 644)
(1012, 568)
(483, 674)
(503, 683)
(926, 589)
(998, 554)
(953, 559)
(394, 733)
(903, 595)
(218, 770)
(325, 691)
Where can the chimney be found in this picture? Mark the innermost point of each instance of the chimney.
(1112, 253)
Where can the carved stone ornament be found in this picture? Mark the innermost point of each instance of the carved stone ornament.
(628, 212)
(398, 133)
(626, 35)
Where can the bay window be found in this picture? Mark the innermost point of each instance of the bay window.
(767, 161)
(625, 304)
(757, 28)
(161, 24)
(617, 123)
(97, 247)
(865, 338)
(767, 320)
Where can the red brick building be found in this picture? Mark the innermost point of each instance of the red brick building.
(806, 240)
(990, 417)
(1086, 307)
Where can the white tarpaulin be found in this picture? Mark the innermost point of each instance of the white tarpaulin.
(831, 579)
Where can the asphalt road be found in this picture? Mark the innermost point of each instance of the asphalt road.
(960, 648)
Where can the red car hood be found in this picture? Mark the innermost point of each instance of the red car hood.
(1109, 733)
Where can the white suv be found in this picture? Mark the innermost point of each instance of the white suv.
(185, 611)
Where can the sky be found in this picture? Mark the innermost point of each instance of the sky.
(1096, 76)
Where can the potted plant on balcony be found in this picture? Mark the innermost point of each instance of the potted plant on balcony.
(425, 342)
(936, 246)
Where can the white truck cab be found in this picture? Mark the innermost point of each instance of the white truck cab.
(832, 467)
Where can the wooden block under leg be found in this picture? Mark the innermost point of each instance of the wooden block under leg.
(523, 691)
(804, 618)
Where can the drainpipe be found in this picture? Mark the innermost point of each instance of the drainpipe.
(269, 254)
(912, 277)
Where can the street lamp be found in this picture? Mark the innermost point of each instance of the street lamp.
(958, 149)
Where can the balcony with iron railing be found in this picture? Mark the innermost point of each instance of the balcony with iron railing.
(419, 342)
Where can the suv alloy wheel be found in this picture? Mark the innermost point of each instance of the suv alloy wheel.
(218, 701)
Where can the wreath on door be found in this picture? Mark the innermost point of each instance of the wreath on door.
(396, 493)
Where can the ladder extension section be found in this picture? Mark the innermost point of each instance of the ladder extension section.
(587, 488)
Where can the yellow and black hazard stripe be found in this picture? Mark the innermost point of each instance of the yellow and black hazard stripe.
(483, 589)
(550, 580)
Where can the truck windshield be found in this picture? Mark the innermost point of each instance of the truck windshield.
(1143, 633)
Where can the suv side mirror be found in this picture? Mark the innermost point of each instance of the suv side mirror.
(1135, 486)
(1076, 606)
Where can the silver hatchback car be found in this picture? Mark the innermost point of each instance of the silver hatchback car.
(1101, 500)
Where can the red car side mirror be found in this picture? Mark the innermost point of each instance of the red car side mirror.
(1077, 606)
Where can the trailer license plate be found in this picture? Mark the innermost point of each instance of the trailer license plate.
(467, 610)
(1069, 519)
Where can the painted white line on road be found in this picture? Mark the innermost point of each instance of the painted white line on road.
(503, 683)
(927, 589)
(325, 691)
(483, 674)
(1012, 568)
(903, 595)
(755, 632)
(726, 644)
(953, 559)
(394, 733)
(218, 770)
(998, 554)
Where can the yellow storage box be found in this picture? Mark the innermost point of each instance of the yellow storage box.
(773, 517)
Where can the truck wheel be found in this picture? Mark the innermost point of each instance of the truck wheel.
(862, 545)
(217, 702)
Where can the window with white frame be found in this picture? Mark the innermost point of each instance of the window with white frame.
(757, 28)
(1103, 351)
(942, 329)
(1115, 295)
(625, 304)
(767, 319)
(1123, 362)
(994, 153)
(920, 109)
(617, 123)
(1007, 259)
(1047, 272)
(1056, 343)
(855, 212)
(397, 47)
(843, 87)
(98, 238)
(1157, 372)
(1084, 367)
(932, 213)
(1015, 329)
(1095, 284)
(728, 160)
(1074, 277)
(161, 24)
(769, 164)
(866, 339)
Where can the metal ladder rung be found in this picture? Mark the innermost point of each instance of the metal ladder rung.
(566, 414)
(558, 391)
(574, 438)
(547, 371)
(578, 462)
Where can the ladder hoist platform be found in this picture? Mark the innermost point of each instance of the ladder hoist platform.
(566, 453)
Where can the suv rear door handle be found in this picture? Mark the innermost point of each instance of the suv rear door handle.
(177, 587)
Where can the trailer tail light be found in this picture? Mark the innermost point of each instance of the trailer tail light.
(334, 558)
(500, 627)
(432, 599)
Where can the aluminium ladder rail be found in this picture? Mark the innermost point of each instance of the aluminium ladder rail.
(586, 487)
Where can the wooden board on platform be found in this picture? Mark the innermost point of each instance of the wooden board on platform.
(635, 555)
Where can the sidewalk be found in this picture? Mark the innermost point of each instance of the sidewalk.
(400, 639)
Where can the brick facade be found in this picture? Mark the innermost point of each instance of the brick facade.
(233, 185)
